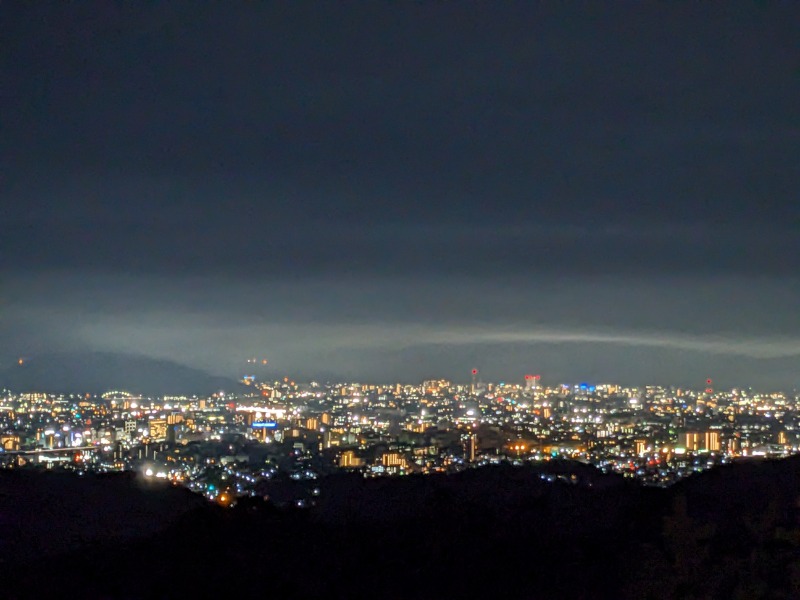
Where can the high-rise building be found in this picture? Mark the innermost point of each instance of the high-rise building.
(532, 383)
(640, 446)
(712, 441)
(130, 428)
(470, 445)
(474, 388)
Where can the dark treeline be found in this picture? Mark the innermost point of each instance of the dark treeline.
(502, 531)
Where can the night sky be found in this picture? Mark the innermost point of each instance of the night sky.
(402, 190)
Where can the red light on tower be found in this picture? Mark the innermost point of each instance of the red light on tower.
(531, 383)
(474, 387)
(708, 381)
(537, 377)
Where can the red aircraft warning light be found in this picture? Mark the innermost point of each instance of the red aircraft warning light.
(474, 371)
(529, 377)
(708, 381)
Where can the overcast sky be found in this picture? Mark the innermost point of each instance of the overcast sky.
(402, 190)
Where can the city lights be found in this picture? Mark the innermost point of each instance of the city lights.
(230, 445)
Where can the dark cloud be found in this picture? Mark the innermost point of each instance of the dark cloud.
(182, 181)
(236, 244)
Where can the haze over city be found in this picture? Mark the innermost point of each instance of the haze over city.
(404, 191)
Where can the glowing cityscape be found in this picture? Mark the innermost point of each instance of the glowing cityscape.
(229, 445)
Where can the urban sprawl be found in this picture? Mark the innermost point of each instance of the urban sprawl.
(277, 440)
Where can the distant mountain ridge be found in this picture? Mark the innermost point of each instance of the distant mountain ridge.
(97, 372)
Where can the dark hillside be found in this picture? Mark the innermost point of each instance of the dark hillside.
(499, 531)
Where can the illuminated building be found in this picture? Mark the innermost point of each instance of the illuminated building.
(9, 442)
(349, 460)
(470, 444)
(691, 441)
(158, 429)
(393, 459)
(263, 429)
(129, 428)
(532, 383)
(707, 440)
(712, 441)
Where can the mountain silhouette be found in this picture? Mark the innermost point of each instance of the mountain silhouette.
(97, 372)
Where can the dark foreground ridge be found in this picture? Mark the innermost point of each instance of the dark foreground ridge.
(732, 532)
